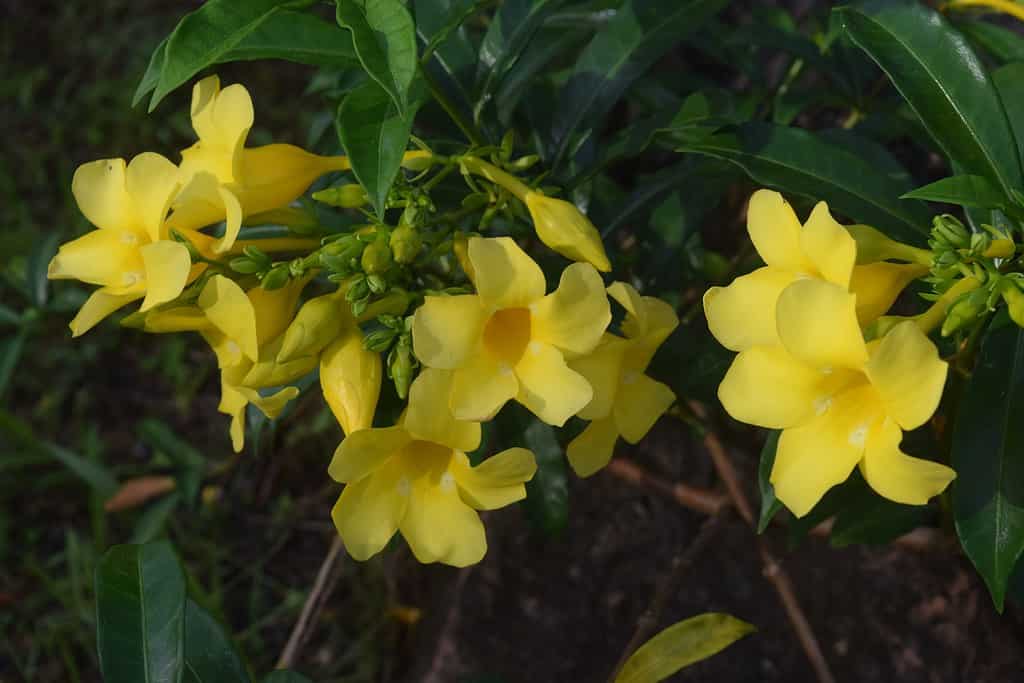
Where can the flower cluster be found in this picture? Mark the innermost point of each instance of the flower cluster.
(805, 367)
(461, 323)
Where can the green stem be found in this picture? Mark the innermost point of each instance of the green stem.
(481, 168)
(467, 128)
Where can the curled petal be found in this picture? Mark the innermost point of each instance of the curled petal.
(898, 476)
(497, 481)
(98, 306)
(99, 257)
(230, 311)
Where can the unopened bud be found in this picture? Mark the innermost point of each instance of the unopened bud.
(1014, 299)
(351, 196)
(417, 160)
(405, 244)
(376, 257)
(948, 229)
(965, 311)
(401, 367)
(277, 278)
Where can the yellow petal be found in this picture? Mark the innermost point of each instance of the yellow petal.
(480, 388)
(269, 372)
(369, 510)
(575, 315)
(429, 416)
(230, 311)
(505, 276)
(272, 404)
(98, 306)
(232, 220)
(548, 387)
(594, 447)
(167, 267)
(743, 314)
(641, 401)
(602, 368)
(100, 189)
(817, 323)
(906, 371)
(649, 320)
(896, 475)
(233, 403)
(362, 452)
(99, 257)
(176, 319)
(223, 118)
(152, 182)
(275, 309)
(828, 246)
(350, 377)
(497, 481)
(563, 228)
(775, 231)
(878, 284)
(821, 453)
(200, 203)
(318, 323)
(447, 329)
(276, 175)
(439, 526)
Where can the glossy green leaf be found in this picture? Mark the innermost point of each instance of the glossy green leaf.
(210, 656)
(988, 456)
(682, 644)
(140, 614)
(547, 494)
(965, 190)
(151, 78)
(284, 676)
(1002, 43)
(449, 55)
(874, 520)
(770, 505)
(945, 83)
(1009, 82)
(640, 32)
(797, 161)
(385, 40)
(374, 135)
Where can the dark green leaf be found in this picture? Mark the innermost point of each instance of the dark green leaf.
(150, 524)
(875, 521)
(770, 505)
(1003, 44)
(374, 135)
(210, 656)
(988, 456)
(385, 42)
(547, 494)
(965, 190)
(140, 614)
(153, 71)
(942, 79)
(10, 353)
(36, 282)
(285, 677)
(8, 316)
(158, 435)
(452, 53)
(1009, 82)
(797, 161)
(640, 32)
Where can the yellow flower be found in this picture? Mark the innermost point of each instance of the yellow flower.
(350, 377)
(742, 315)
(562, 226)
(415, 478)
(223, 180)
(626, 402)
(129, 256)
(509, 340)
(317, 324)
(840, 402)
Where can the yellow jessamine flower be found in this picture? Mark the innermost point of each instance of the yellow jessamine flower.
(509, 340)
(222, 180)
(415, 478)
(840, 402)
(626, 402)
(350, 377)
(129, 256)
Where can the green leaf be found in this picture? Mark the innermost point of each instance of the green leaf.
(140, 614)
(966, 190)
(1003, 44)
(285, 677)
(157, 434)
(874, 520)
(547, 494)
(800, 162)
(945, 83)
(36, 283)
(988, 456)
(439, 24)
(153, 70)
(770, 505)
(385, 42)
(682, 644)
(10, 353)
(210, 656)
(640, 32)
(150, 524)
(374, 135)
(1009, 82)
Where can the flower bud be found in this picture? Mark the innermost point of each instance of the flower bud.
(1000, 248)
(358, 290)
(351, 196)
(405, 244)
(350, 377)
(277, 278)
(317, 324)
(949, 230)
(379, 340)
(297, 220)
(561, 226)
(965, 311)
(417, 160)
(376, 257)
(401, 367)
(1014, 299)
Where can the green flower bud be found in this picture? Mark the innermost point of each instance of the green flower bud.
(405, 244)
(350, 196)
(1014, 299)
(359, 289)
(277, 278)
(297, 220)
(377, 284)
(950, 230)
(244, 265)
(376, 257)
(965, 311)
(402, 366)
(379, 341)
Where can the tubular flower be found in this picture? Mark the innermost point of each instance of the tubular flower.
(350, 377)
(129, 256)
(415, 478)
(626, 402)
(742, 315)
(223, 180)
(509, 340)
(840, 402)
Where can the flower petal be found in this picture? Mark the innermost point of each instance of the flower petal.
(505, 276)
(221, 118)
(480, 388)
(649, 321)
(350, 379)
(447, 329)
(906, 371)
(232, 220)
(230, 311)
(828, 246)
(878, 284)
(641, 401)
(167, 266)
(200, 203)
(563, 228)
(775, 231)
(898, 476)
(439, 526)
(101, 192)
(98, 306)
(602, 368)
(276, 175)
(152, 182)
(275, 309)
(575, 315)
(548, 387)
(99, 257)
(817, 323)
(497, 481)
(594, 447)
(363, 452)
(429, 417)
(743, 314)
(370, 510)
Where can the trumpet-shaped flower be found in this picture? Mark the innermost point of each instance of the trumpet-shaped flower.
(509, 340)
(626, 401)
(223, 180)
(415, 478)
(562, 226)
(129, 254)
(840, 402)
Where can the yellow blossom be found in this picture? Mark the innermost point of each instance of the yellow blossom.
(626, 401)
(350, 378)
(509, 340)
(415, 478)
(129, 255)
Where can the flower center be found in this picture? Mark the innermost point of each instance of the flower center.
(507, 334)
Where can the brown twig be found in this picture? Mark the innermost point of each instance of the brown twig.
(322, 589)
(700, 500)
